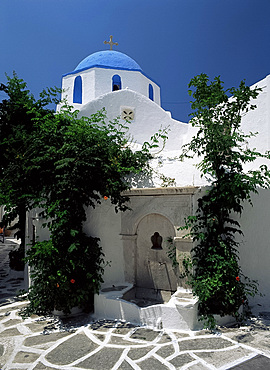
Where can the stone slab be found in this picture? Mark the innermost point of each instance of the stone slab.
(122, 341)
(26, 357)
(145, 334)
(100, 337)
(204, 343)
(165, 339)
(41, 339)
(222, 358)
(12, 322)
(10, 333)
(258, 362)
(166, 351)
(105, 359)
(71, 350)
(152, 363)
(179, 361)
(136, 354)
(198, 367)
(125, 366)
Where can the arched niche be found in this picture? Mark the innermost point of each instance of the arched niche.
(153, 267)
(77, 91)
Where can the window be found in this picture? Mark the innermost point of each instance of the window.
(116, 83)
(151, 92)
(77, 91)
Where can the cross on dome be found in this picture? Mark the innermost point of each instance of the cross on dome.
(111, 43)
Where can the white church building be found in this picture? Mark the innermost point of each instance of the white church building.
(136, 242)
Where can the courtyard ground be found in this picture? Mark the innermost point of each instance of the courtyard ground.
(46, 343)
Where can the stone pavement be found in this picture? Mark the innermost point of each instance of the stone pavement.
(11, 281)
(46, 343)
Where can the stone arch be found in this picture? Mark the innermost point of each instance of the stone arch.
(136, 221)
(153, 267)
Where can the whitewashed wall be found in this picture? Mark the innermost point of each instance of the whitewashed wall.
(254, 250)
(149, 116)
(255, 245)
(103, 222)
(98, 81)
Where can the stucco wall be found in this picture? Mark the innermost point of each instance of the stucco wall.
(148, 119)
(255, 244)
(88, 88)
(98, 81)
(103, 222)
(133, 80)
(258, 120)
(118, 231)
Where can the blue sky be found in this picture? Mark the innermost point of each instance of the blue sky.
(172, 40)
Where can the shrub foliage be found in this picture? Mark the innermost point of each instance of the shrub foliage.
(63, 164)
(215, 275)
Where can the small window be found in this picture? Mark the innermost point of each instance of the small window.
(151, 92)
(116, 83)
(77, 91)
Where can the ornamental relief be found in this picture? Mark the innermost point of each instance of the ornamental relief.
(127, 113)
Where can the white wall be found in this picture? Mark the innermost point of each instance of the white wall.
(255, 244)
(103, 222)
(98, 81)
(88, 88)
(149, 118)
(133, 80)
(258, 120)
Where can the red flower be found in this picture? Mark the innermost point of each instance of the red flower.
(237, 278)
(105, 197)
(57, 285)
(72, 281)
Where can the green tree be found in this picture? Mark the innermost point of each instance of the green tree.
(221, 144)
(18, 187)
(64, 164)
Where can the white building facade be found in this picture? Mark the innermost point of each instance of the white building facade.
(114, 81)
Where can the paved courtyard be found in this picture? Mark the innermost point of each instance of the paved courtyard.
(42, 343)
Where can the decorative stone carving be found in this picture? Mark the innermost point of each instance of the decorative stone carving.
(127, 113)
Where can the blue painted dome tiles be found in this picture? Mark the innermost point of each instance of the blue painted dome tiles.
(108, 59)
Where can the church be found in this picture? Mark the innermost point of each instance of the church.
(136, 242)
(112, 80)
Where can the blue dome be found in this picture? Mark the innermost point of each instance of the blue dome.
(109, 59)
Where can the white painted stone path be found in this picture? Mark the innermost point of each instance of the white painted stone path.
(79, 343)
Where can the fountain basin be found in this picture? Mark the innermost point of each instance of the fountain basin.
(161, 309)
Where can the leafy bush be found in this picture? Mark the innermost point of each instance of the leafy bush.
(64, 278)
(63, 164)
(215, 275)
